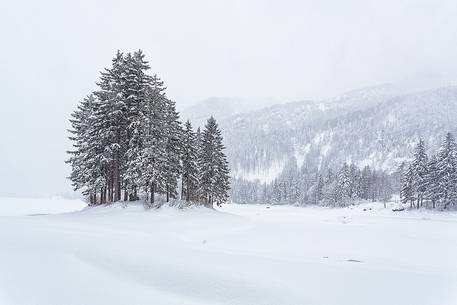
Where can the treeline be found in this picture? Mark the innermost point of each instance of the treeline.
(318, 187)
(431, 182)
(128, 141)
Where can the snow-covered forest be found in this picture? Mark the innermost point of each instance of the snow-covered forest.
(305, 186)
(429, 182)
(128, 141)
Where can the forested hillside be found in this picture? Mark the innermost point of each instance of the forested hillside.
(376, 127)
(377, 130)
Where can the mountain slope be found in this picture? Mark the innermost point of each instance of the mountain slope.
(220, 108)
(375, 126)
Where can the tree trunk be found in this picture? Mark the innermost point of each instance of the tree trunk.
(110, 187)
(152, 192)
(116, 172)
(168, 194)
(125, 195)
(188, 191)
(117, 188)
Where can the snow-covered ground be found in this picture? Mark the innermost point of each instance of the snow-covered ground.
(240, 254)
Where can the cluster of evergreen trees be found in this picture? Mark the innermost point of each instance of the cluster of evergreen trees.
(128, 140)
(431, 181)
(320, 187)
(427, 181)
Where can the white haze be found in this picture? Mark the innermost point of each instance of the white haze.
(52, 51)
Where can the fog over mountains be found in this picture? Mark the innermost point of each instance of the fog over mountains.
(375, 126)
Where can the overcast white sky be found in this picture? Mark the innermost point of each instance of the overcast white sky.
(52, 51)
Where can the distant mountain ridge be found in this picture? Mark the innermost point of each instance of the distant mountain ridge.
(221, 108)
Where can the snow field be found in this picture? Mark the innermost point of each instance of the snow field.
(239, 254)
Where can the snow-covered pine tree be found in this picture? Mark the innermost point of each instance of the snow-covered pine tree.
(153, 154)
(343, 185)
(407, 186)
(354, 181)
(275, 193)
(173, 134)
(222, 170)
(329, 176)
(84, 169)
(447, 171)
(110, 122)
(419, 166)
(198, 143)
(432, 192)
(365, 182)
(189, 163)
(214, 173)
(137, 87)
(318, 192)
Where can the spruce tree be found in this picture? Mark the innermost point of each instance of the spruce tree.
(365, 181)
(137, 86)
(189, 163)
(447, 171)
(110, 121)
(343, 185)
(354, 183)
(85, 168)
(153, 154)
(276, 193)
(172, 140)
(407, 186)
(214, 173)
(318, 190)
(432, 182)
(419, 166)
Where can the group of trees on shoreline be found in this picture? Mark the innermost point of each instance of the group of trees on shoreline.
(127, 139)
(324, 187)
(431, 182)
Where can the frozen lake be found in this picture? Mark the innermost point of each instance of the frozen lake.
(237, 255)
